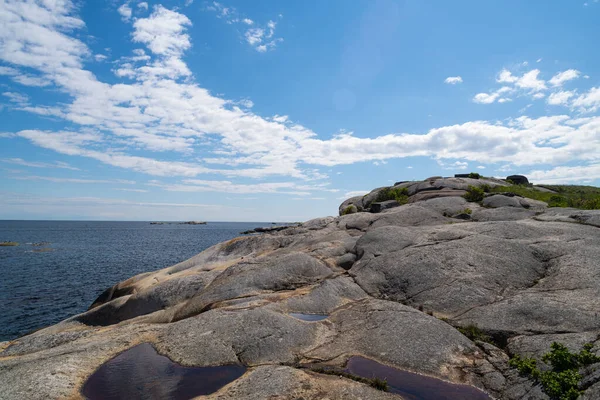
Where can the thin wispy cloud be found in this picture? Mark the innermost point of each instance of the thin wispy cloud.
(37, 164)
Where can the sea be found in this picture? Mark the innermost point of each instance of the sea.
(60, 267)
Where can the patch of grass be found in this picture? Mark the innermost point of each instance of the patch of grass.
(474, 194)
(9, 244)
(379, 384)
(562, 382)
(398, 194)
(467, 211)
(351, 209)
(474, 333)
(582, 197)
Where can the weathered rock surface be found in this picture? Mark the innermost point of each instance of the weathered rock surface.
(395, 285)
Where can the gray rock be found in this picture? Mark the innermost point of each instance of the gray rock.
(383, 205)
(518, 179)
(525, 274)
(356, 202)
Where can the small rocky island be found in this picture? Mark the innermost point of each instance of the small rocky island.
(473, 287)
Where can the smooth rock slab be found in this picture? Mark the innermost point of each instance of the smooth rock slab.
(142, 373)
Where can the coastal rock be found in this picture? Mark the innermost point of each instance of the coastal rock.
(394, 286)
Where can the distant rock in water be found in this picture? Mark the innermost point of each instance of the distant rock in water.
(193, 223)
(9, 244)
(267, 229)
(462, 274)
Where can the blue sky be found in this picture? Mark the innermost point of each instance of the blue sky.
(277, 111)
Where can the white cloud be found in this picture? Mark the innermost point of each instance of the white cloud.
(18, 98)
(565, 76)
(162, 109)
(566, 174)
(530, 81)
(132, 190)
(100, 57)
(260, 36)
(459, 165)
(506, 76)
(163, 32)
(560, 98)
(144, 6)
(354, 193)
(453, 80)
(538, 96)
(37, 164)
(254, 36)
(488, 98)
(485, 98)
(125, 12)
(588, 102)
(70, 180)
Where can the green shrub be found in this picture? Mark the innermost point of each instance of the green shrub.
(474, 194)
(583, 197)
(474, 175)
(351, 209)
(474, 333)
(525, 366)
(468, 211)
(562, 382)
(398, 194)
(486, 188)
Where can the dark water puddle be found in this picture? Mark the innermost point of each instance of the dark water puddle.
(142, 373)
(309, 317)
(413, 386)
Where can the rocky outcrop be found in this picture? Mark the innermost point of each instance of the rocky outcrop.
(396, 287)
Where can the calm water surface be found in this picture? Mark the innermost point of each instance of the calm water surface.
(82, 258)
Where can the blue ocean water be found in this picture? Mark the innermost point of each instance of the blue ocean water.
(45, 283)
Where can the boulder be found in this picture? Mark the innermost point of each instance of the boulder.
(383, 205)
(518, 179)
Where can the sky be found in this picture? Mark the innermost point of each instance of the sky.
(278, 111)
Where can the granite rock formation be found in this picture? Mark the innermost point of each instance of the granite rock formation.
(397, 285)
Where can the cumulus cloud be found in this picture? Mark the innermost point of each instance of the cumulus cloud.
(453, 80)
(589, 101)
(531, 81)
(156, 106)
(565, 76)
(125, 11)
(560, 98)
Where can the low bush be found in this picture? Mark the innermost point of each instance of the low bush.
(474, 333)
(474, 194)
(582, 197)
(474, 175)
(398, 194)
(351, 209)
(562, 382)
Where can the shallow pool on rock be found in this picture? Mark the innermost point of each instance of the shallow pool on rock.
(413, 386)
(142, 373)
(309, 317)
